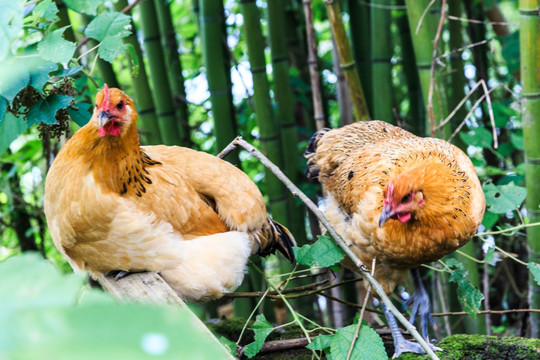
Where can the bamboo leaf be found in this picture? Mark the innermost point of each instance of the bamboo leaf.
(55, 48)
(110, 48)
(504, 198)
(262, 329)
(368, 345)
(468, 296)
(534, 268)
(84, 6)
(324, 252)
(45, 109)
(109, 24)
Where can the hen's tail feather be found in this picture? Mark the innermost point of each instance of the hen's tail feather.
(277, 237)
(312, 170)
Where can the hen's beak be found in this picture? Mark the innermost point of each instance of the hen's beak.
(103, 118)
(386, 214)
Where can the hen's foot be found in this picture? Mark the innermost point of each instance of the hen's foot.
(404, 346)
(420, 305)
(118, 274)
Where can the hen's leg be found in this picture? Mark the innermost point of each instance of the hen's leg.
(400, 344)
(420, 304)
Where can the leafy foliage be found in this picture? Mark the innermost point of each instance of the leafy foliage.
(58, 316)
(504, 198)
(262, 329)
(325, 252)
(468, 296)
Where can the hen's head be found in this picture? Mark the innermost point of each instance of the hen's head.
(114, 112)
(401, 201)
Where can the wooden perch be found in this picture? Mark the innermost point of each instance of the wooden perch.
(150, 288)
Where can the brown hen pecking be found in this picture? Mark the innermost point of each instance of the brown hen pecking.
(397, 198)
(112, 205)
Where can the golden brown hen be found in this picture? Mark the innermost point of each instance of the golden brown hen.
(112, 205)
(397, 198)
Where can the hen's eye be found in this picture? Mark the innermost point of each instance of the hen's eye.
(120, 105)
(406, 199)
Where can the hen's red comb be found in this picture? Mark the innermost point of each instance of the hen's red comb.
(106, 98)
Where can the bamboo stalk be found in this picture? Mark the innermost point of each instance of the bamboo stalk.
(217, 66)
(147, 122)
(174, 69)
(348, 65)
(161, 90)
(530, 77)
(381, 54)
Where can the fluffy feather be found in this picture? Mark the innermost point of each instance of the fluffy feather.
(114, 205)
(434, 198)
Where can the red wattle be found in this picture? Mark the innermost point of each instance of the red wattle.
(102, 132)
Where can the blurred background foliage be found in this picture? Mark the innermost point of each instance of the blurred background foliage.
(204, 71)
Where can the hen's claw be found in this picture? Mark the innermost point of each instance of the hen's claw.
(420, 304)
(118, 274)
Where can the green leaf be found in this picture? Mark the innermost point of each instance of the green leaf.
(453, 263)
(534, 268)
(490, 255)
(69, 71)
(80, 113)
(502, 113)
(229, 345)
(11, 23)
(468, 296)
(10, 129)
(517, 140)
(504, 198)
(505, 149)
(111, 47)
(321, 342)
(46, 320)
(510, 51)
(262, 329)
(368, 345)
(479, 136)
(490, 219)
(84, 6)
(324, 252)
(45, 109)
(109, 24)
(3, 108)
(55, 48)
(47, 10)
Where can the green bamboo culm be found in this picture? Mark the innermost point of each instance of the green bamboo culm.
(174, 69)
(270, 139)
(422, 39)
(217, 64)
(285, 100)
(381, 53)
(147, 122)
(359, 12)
(169, 129)
(415, 117)
(530, 82)
(347, 62)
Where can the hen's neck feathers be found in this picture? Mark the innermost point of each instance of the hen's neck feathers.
(117, 162)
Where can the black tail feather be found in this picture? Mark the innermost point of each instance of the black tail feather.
(312, 170)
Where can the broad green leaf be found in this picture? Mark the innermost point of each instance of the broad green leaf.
(262, 329)
(10, 129)
(109, 24)
(321, 342)
(69, 71)
(11, 23)
(368, 345)
(230, 345)
(505, 149)
(80, 113)
(479, 136)
(517, 140)
(324, 252)
(47, 322)
(84, 6)
(534, 268)
(468, 296)
(45, 109)
(490, 255)
(504, 198)
(502, 114)
(46, 10)
(490, 219)
(55, 48)
(510, 51)
(111, 47)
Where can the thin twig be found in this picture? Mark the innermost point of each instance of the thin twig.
(458, 50)
(357, 330)
(432, 71)
(455, 18)
(421, 20)
(295, 191)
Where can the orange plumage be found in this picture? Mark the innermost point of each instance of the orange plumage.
(114, 205)
(433, 198)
